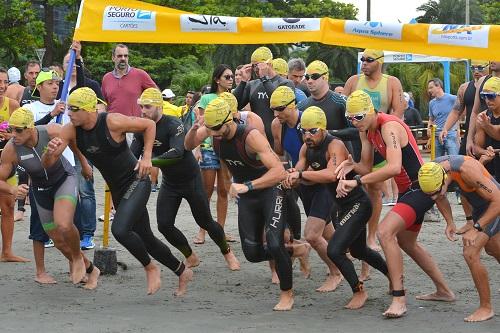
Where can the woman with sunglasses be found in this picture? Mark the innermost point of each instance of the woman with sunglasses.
(483, 193)
(211, 168)
(399, 229)
(487, 139)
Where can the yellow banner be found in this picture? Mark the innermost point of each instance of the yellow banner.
(131, 21)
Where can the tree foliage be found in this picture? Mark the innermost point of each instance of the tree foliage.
(449, 11)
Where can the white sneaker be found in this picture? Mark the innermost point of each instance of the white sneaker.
(111, 216)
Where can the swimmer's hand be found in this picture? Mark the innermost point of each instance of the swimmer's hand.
(345, 186)
(451, 231)
(144, 167)
(20, 191)
(237, 189)
(345, 167)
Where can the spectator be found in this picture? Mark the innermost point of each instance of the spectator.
(169, 108)
(31, 71)
(296, 72)
(124, 84)
(412, 116)
(439, 108)
(15, 89)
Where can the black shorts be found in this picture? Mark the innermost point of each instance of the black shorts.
(317, 201)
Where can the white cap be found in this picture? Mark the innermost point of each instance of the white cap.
(406, 96)
(14, 75)
(167, 93)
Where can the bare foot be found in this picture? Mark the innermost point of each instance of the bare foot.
(438, 296)
(18, 216)
(365, 272)
(184, 279)
(480, 314)
(274, 277)
(153, 277)
(44, 278)
(12, 258)
(331, 283)
(192, 260)
(232, 262)
(200, 238)
(77, 270)
(372, 244)
(358, 300)
(92, 279)
(397, 308)
(286, 301)
(301, 251)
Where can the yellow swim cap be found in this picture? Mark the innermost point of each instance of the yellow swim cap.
(431, 177)
(262, 54)
(359, 102)
(230, 100)
(83, 98)
(280, 66)
(282, 96)
(151, 96)
(217, 113)
(318, 67)
(22, 118)
(313, 117)
(492, 84)
(375, 54)
(477, 62)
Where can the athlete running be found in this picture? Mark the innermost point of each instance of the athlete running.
(101, 139)
(181, 180)
(323, 153)
(54, 189)
(392, 139)
(483, 193)
(256, 184)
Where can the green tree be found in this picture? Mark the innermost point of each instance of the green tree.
(20, 31)
(449, 11)
(341, 61)
(491, 11)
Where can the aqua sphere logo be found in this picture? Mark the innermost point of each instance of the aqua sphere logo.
(374, 29)
(372, 24)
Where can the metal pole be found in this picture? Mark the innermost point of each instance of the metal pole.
(368, 10)
(107, 209)
(433, 142)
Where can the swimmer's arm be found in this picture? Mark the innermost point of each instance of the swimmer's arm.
(120, 124)
(337, 153)
(195, 136)
(479, 142)
(397, 102)
(365, 164)
(346, 134)
(444, 207)
(276, 130)
(392, 138)
(137, 145)
(476, 109)
(349, 85)
(257, 143)
(59, 136)
(255, 121)
(242, 94)
(8, 160)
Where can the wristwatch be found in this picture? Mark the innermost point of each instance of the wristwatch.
(249, 185)
(357, 178)
(478, 227)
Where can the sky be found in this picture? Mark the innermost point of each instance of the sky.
(388, 10)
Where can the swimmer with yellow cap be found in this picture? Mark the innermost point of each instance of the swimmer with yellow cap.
(313, 126)
(151, 104)
(280, 67)
(431, 178)
(260, 64)
(358, 107)
(242, 117)
(315, 70)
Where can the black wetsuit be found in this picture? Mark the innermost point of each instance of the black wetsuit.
(179, 180)
(258, 210)
(494, 166)
(469, 96)
(130, 194)
(353, 213)
(257, 93)
(333, 105)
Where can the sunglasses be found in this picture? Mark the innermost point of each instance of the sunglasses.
(369, 59)
(73, 108)
(283, 107)
(478, 68)
(489, 95)
(358, 117)
(314, 76)
(18, 130)
(228, 76)
(311, 131)
(218, 127)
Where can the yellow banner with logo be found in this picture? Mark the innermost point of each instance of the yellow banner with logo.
(131, 21)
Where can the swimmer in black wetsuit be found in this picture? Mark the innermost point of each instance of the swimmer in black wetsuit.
(181, 180)
(101, 139)
(256, 183)
(323, 152)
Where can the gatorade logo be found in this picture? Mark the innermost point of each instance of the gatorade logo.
(128, 19)
(208, 23)
(290, 24)
(374, 29)
(460, 35)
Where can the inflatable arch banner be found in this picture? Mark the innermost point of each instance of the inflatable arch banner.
(131, 21)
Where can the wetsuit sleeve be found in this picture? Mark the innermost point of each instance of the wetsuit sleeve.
(176, 140)
(346, 134)
(137, 145)
(242, 94)
(45, 120)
